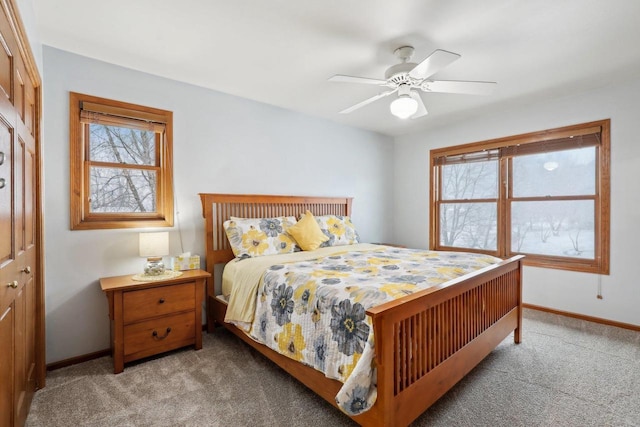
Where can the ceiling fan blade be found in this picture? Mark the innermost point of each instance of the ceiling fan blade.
(339, 78)
(434, 63)
(422, 110)
(465, 87)
(368, 101)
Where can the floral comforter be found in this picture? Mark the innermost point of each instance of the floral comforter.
(314, 311)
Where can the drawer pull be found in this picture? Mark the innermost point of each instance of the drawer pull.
(161, 301)
(13, 285)
(158, 337)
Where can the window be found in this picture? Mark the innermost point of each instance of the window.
(121, 173)
(543, 194)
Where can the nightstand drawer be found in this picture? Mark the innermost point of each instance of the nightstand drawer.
(148, 303)
(162, 334)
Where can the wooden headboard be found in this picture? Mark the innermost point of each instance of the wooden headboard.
(217, 208)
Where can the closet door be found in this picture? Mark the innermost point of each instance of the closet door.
(24, 181)
(19, 294)
(9, 283)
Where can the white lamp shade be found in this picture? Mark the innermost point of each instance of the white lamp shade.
(154, 244)
(403, 107)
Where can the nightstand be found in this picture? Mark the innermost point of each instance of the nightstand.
(148, 318)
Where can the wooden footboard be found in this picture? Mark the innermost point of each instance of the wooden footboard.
(425, 342)
(428, 341)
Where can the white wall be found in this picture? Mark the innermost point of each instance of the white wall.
(222, 144)
(561, 290)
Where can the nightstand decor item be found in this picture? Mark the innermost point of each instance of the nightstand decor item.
(154, 246)
(185, 261)
(168, 274)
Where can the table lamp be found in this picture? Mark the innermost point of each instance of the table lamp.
(154, 246)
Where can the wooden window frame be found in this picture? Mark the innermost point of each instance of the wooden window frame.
(84, 108)
(511, 146)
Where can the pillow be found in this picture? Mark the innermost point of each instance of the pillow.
(253, 237)
(339, 229)
(307, 233)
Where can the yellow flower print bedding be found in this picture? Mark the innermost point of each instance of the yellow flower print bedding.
(339, 229)
(254, 237)
(314, 311)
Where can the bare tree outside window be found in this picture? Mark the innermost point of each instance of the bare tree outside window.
(114, 189)
(467, 220)
(573, 237)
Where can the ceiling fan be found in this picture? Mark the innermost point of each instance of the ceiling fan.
(407, 78)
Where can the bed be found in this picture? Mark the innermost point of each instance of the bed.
(425, 342)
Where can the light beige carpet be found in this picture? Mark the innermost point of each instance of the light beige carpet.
(566, 372)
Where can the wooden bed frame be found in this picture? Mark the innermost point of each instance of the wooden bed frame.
(425, 342)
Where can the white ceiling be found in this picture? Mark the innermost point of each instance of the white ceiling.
(281, 52)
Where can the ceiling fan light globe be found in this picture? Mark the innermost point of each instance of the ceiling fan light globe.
(403, 107)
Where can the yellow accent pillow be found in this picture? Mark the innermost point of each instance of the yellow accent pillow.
(307, 233)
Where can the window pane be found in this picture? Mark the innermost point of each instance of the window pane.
(561, 228)
(468, 225)
(115, 144)
(475, 180)
(558, 173)
(122, 190)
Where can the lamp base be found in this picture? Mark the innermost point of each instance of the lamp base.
(154, 266)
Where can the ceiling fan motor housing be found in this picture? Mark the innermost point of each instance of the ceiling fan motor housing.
(399, 73)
